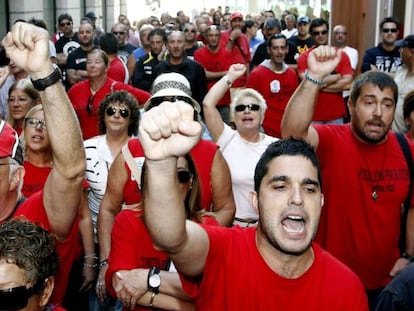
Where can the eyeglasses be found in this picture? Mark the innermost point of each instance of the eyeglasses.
(250, 107)
(123, 112)
(18, 101)
(34, 123)
(393, 30)
(156, 101)
(116, 33)
(65, 24)
(340, 33)
(192, 30)
(89, 106)
(15, 298)
(183, 176)
(318, 33)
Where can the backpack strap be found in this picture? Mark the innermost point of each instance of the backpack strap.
(408, 157)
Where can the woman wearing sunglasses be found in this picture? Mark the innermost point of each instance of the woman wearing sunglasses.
(118, 117)
(243, 146)
(87, 95)
(134, 260)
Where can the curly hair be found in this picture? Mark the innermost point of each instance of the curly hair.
(31, 248)
(120, 97)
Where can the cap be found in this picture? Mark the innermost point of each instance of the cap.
(272, 23)
(304, 19)
(91, 15)
(171, 84)
(10, 143)
(406, 42)
(236, 15)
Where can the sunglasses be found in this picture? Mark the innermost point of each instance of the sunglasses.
(250, 107)
(183, 176)
(34, 123)
(89, 106)
(65, 24)
(192, 30)
(15, 298)
(393, 30)
(156, 101)
(318, 33)
(118, 32)
(123, 112)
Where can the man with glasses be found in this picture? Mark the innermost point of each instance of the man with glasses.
(330, 106)
(124, 47)
(385, 56)
(67, 43)
(55, 208)
(190, 40)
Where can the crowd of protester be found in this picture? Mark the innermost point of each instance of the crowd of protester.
(100, 146)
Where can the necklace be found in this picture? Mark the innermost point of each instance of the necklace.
(373, 175)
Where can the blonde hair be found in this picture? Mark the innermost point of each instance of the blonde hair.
(248, 92)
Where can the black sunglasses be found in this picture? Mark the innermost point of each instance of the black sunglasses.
(250, 107)
(393, 30)
(183, 176)
(65, 24)
(318, 33)
(89, 107)
(156, 101)
(118, 32)
(15, 298)
(192, 30)
(123, 112)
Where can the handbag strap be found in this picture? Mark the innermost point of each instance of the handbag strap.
(408, 157)
(136, 171)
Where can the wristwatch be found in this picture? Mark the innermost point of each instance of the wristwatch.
(408, 257)
(54, 77)
(154, 280)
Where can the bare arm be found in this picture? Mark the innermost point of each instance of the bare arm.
(297, 118)
(61, 58)
(75, 76)
(214, 75)
(342, 83)
(212, 116)
(28, 47)
(223, 201)
(131, 65)
(166, 132)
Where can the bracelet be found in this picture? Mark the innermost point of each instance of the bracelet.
(152, 299)
(226, 78)
(103, 263)
(89, 265)
(312, 79)
(408, 257)
(42, 84)
(90, 256)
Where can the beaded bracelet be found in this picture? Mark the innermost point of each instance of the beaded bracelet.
(94, 256)
(312, 79)
(102, 263)
(89, 265)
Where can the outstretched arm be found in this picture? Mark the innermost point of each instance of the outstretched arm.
(28, 47)
(297, 118)
(167, 132)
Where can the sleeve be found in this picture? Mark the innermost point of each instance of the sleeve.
(302, 63)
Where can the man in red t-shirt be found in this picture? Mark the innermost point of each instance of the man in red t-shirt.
(56, 207)
(245, 269)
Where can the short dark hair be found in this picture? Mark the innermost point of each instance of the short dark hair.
(275, 37)
(31, 248)
(63, 17)
(408, 106)
(390, 19)
(317, 22)
(248, 23)
(109, 43)
(377, 78)
(283, 147)
(158, 32)
(122, 97)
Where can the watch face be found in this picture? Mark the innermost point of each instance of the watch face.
(155, 281)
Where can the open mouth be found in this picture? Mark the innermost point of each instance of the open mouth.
(293, 224)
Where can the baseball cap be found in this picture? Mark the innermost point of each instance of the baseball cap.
(171, 84)
(272, 23)
(303, 19)
(10, 143)
(91, 15)
(236, 15)
(406, 42)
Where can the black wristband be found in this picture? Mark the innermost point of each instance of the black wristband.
(408, 257)
(42, 84)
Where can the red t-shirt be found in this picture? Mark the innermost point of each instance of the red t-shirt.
(358, 230)
(80, 95)
(34, 178)
(276, 88)
(33, 210)
(117, 70)
(236, 277)
(330, 106)
(202, 154)
(215, 62)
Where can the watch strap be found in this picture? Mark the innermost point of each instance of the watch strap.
(151, 272)
(42, 84)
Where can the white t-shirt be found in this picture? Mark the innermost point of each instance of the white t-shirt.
(242, 157)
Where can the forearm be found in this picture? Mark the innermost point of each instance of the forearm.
(340, 85)
(214, 75)
(165, 302)
(75, 76)
(164, 214)
(86, 231)
(106, 221)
